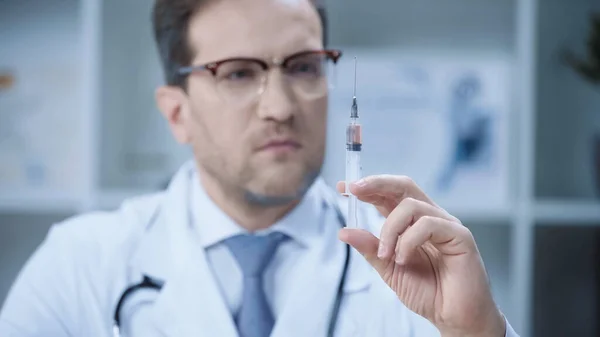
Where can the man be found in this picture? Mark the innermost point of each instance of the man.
(244, 240)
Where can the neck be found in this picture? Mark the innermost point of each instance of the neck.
(250, 216)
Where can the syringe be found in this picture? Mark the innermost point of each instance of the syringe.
(353, 148)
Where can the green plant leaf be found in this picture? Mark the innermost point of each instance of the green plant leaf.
(589, 68)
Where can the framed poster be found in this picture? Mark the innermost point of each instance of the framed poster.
(41, 131)
(440, 118)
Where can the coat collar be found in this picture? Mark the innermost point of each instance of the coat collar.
(190, 303)
(302, 224)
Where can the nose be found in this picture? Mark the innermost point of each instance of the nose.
(278, 102)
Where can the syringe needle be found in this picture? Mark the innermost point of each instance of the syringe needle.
(354, 109)
(355, 61)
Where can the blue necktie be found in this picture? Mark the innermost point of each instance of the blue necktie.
(253, 254)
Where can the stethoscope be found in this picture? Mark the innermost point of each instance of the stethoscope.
(149, 283)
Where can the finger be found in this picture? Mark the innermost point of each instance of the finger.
(374, 199)
(405, 214)
(448, 237)
(341, 187)
(391, 186)
(365, 243)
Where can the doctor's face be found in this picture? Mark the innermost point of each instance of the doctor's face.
(255, 127)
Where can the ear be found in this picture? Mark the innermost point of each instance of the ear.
(171, 101)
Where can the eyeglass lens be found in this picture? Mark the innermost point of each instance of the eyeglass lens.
(241, 81)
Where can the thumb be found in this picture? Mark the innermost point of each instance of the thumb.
(365, 243)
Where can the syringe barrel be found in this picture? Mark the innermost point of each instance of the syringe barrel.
(352, 174)
(352, 166)
(353, 148)
(353, 136)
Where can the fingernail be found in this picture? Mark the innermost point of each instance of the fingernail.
(360, 183)
(381, 252)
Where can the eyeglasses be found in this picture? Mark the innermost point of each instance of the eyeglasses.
(242, 80)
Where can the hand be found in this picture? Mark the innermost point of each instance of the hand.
(427, 257)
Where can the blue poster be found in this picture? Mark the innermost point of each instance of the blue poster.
(440, 118)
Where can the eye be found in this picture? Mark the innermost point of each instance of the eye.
(238, 71)
(311, 67)
(305, 68)
(241, 74)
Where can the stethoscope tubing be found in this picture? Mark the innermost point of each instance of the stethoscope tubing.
(153, 284)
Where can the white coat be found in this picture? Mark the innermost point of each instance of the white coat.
(71, 285)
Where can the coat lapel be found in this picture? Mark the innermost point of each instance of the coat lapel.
(190, 303)
(308, 312)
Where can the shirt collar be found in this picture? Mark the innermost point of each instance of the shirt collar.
(303, 224)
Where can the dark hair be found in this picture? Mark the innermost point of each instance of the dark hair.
(170, 21)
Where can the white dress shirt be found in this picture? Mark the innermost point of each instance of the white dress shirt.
(303, 226)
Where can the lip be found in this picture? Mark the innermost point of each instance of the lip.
(280, 144)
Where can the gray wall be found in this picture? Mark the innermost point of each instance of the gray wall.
(19, 236)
